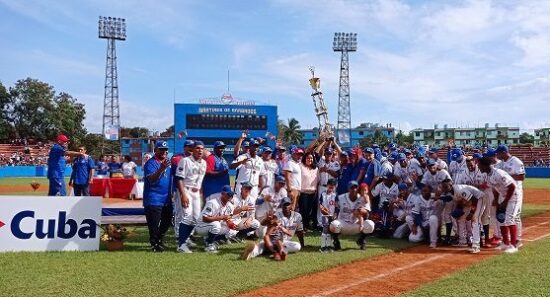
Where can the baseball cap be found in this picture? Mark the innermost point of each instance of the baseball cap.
(456, 154)
(62, 138)
(369, 150)
(331, 181)
(352, 183)
(477, 156)
(375, 145)
(501, 149)
(189, 142)
(433, 150)
(254, 142)
(384, 154)
(227, 189)
(246, 144)
(280, 179)
(392, 145)
(198, 142)
(490, 153)
(297, 150)
(161, 144)
(267, 149)
(281, 148)
(344, 154)
(401, 157)
(394, 156)
(328, 150)
(364, 186)
(388, 175)
(407, 151)
(219, 143)
(430, 162)
(286, 201)
(402, 186)
(246, 185)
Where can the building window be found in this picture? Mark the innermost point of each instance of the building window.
(361, 132)
(417, 134)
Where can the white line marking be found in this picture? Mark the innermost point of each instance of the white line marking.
(535, 226)
(538, 238)
(375, 277)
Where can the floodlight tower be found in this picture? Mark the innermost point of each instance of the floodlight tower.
(112, 29)
(345, 43)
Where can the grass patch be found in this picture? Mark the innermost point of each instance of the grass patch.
(522, 274)
(534, 209)
(137, 272)
(537, 183)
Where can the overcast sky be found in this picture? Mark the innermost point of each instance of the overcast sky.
(462, 63)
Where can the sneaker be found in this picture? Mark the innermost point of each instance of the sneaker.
(502, 246)
(157, 249)
(191, 243)
(433, 245)
(283, 256)
(511, 249)
(211, 248)
(475, 250)
(248, 249)
(323, 249)
(360, 243)
(495, 241)
(184, 249)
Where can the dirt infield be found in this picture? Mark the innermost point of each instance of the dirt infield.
(391, 274)
(22, 188)
(536, 196)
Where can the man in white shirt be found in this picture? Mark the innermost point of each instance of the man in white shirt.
(245, 210)
(293, 175)
(434, 177)
(270, 167)
(438, 162)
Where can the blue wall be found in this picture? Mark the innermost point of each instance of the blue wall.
(537, 172)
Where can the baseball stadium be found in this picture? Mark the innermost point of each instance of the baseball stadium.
(327, 183)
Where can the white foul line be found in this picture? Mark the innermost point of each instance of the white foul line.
(535, 226)
(538, 238)
(375, 277)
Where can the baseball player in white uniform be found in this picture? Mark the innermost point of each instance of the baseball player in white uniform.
(189, 175)
(386, 191)
(515, 168)
(291, 221)
(507, 200)
(270, 167)
(215, 220)
(473, 199)
(269, 202)
(409, 200)
(424, 217)
(250, 167)
(438, 162)
(494, 224)
(327, 206)
(434, 177)
(328, 168)
(350, 211)
(458, 163)
(245, 210)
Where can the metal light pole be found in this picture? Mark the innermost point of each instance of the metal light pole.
(112, 29)
(344, 42)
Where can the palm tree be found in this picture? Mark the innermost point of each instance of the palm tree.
(290, 133)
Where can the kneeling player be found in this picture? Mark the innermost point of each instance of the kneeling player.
(424, 218)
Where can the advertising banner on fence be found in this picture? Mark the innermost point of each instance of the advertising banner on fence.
(30, 223)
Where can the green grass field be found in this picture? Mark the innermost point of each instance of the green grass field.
(137, 272)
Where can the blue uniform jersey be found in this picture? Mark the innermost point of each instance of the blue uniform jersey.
(343, 179)
(373, 169)
(156, 193)
(56, 162)
(81, 170)
(102, 168)
(115, 167)
(356, 168)
(213, 184)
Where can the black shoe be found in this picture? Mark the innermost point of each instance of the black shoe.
(361, 241)
(157, 249)
(336, 244)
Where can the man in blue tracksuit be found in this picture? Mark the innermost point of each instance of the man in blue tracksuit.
(157, 193)
(83, 174)
(56, 166)
(217, 171)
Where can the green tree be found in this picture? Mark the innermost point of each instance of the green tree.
(6, 129)
(403, 139)
(169, 132)
(291, 133)
(526, 138)
(32, 109)
(68, 118)
(96, 144)
(135, 132)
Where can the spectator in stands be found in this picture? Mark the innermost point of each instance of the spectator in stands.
(129, 167)
(102, 167)
(83, 173)
(115, 168)
(56, 166)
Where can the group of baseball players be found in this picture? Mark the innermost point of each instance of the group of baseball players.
(387, 192)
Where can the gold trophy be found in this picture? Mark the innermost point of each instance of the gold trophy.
(325, 128)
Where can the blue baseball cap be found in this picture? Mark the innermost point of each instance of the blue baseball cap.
(286, 201)
(490, 153)
(394, 156)
(388, 175)
(219, 143)
(189, 142)
(161, 144)
(332, 181)
(477, 156)
(433, 150)
(407, 152)
(267, 149)
(392, 145)
(403, 186)
(344, 154)
(352, 183)
(227, 189)
(246, 144)
(369, 150)
(384, 154)
(247, 185)
(254, 142)
(280, 179)
(456, 154)
(431, 162)
(502, 149)
(328, 150)
(401, 157)
(198, 142)
(375, 145)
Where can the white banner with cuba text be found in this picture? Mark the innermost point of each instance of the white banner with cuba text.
(31, 223)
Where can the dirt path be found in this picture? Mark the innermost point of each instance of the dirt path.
(391, 274)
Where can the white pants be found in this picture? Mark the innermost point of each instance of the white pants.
(255, 224)
(493, 223)
(253, 193)
(216, 227)
(464, 228)
(432, 224)
(190, 215)
(320, 191)
(447, 210)
(518, 216)
(401, 231)
(341, 227)
(512, 213)
(290, 247)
